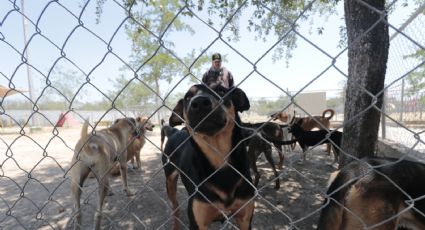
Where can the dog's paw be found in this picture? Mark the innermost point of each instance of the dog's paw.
(277, 185)
(109, 192)
(280, 165)
(335, 166)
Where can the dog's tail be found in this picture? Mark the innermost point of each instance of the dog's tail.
(83, 134)
(162, 133)
(331, 111)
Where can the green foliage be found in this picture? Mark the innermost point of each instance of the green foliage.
(152, 56)
(62, 87)
(16, 104)
(130, 93)
(95, 106)
(416, 79)
(266, 107)
(269, 17)
(66, 82)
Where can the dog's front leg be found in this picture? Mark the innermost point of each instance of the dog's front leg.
(244, 216)
(201, 214)
(336, 155)
(123, 171)
(138, 161)
(171, 183)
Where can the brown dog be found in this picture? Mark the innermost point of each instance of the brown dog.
(308, 123)
(96, 153)
(135, 146)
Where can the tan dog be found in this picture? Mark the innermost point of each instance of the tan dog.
(308, 123)
(96, 153)
(135, 146)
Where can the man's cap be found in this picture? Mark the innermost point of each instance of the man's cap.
(216, 56)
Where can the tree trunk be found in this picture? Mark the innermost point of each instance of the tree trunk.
(368, 44)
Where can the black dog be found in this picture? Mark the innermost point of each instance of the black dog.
(312, 138)
(385, 193)
(166, 131)
(211, 158)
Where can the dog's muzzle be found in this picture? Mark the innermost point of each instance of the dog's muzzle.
(205, 116)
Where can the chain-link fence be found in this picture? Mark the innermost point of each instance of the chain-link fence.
(404, 96)
(64, 62)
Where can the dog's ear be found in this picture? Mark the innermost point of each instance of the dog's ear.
(300, 122)
(240, 100)
(292, 119)
(176, 117)
(132, 121)
(274, 115)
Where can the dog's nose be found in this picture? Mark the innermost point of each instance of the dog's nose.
(201, 103)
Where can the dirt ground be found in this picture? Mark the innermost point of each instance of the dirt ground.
(35, 188)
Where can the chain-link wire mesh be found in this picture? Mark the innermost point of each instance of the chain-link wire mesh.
(56, 74)
(404, 96)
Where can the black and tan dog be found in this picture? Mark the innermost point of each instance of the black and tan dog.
(97, 153)
(376, 193)
(211, 158)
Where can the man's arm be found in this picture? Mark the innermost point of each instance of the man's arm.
(205, 78)
(231, 83)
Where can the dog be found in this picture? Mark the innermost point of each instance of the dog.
(211, 158)
(135, 145)
(269, 132)
(274, 133)
(261, 144)
(166, 131)
(96, 153)
(375, 193)
(312, 138)
(309, 123)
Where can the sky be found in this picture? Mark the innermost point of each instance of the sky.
(309, 69)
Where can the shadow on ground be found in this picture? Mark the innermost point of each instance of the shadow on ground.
(42, 200)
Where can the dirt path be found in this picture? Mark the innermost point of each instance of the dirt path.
(35, 190)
